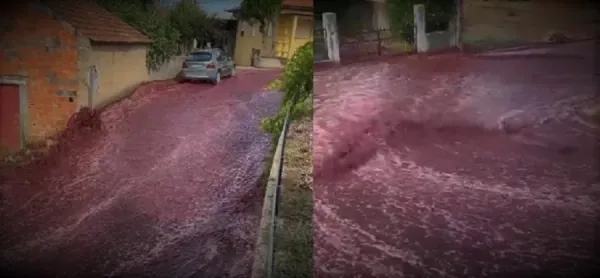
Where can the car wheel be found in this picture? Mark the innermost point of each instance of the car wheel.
(217, 79)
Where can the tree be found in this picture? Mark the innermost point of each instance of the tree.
(191, 21)
(140, 14)
(260, 11)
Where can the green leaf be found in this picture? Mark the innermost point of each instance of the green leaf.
(297, 87)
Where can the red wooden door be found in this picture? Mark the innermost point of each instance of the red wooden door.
(10, 127)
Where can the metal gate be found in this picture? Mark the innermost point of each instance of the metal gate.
(370, 43)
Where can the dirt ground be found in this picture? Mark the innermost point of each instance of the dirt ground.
(458, 165)
(168, 187)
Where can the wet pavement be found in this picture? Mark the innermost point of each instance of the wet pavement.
(168, 188)
(458, 165)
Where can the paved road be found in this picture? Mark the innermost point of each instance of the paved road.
(456, 166)
(169, 189)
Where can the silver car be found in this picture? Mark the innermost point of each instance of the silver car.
(207, 64)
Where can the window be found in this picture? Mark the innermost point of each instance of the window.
(200, 57)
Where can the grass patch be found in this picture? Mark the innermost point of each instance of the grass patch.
(293, 241)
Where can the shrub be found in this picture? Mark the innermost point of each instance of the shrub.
(297, 87)
(191, 21)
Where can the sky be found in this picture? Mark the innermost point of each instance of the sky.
(219, 6)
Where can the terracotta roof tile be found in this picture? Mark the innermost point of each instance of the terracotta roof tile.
(94, 22)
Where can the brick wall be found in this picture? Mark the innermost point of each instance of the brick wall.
(43, 49)
(514, 22)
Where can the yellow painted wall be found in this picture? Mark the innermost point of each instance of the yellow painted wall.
(245, 42)
(284, 33)
(305, 26)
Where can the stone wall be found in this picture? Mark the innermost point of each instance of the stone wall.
(445, 39)
(439, 40)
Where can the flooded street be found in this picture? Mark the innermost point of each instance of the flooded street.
(458, 165)
(168, 189)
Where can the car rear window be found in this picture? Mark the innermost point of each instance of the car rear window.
(200, 57)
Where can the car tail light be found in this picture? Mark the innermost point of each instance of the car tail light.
(210, 66)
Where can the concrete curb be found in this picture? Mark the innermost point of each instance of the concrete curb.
(261, 266)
